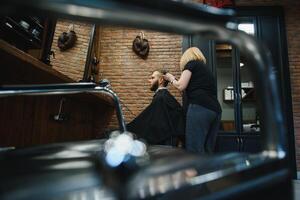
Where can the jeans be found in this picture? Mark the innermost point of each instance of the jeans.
(202, 126)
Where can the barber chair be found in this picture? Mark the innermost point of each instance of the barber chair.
(124, 168)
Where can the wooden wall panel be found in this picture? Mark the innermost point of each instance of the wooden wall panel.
(27, 121)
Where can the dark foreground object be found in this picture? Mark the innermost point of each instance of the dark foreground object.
(78, 171)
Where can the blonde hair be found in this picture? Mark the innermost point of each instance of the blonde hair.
(192, 53)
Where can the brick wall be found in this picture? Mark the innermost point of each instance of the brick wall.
(128, 73)
(292, 19)
(72, 61)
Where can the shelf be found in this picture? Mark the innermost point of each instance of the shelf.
(14, 31)
(249, 97)
(223, 50)
(16, 55)
(35, 21)
(223, 47)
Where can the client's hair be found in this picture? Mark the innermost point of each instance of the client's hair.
(163, 72)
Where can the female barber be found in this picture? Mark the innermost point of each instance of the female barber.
(203, 109)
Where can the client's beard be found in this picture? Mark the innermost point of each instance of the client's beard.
(154, 87)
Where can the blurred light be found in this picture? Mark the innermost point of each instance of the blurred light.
(108, 145)
(120, 147)
(123, 143)
(96, 193)
(247, 163)
(138, 148)
(71, 165)
(63, 155)
(152, 186)
(84, 11)
(247, 28)
(114, 157)
(231, 25)
(85, 147)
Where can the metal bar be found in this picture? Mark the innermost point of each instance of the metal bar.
(58, 89)
(46, 52)
(126, 10)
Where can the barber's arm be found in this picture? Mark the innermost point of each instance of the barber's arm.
(183, 81)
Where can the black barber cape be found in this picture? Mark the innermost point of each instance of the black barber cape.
(161, 120)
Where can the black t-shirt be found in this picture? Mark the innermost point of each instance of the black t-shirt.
(202, 89)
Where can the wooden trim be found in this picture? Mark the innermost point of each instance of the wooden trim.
(26, 58)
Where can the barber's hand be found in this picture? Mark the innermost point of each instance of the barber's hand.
(169, 77)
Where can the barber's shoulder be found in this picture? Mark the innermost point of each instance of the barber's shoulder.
(195, 64)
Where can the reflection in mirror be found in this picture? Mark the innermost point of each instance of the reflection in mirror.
(225, 85)
(24, 32)
(249, 107)
(239, 130)
(74, 48)
(251, 135)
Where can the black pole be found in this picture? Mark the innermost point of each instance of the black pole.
(87, 68)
